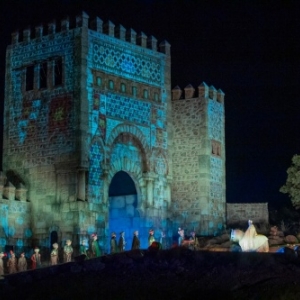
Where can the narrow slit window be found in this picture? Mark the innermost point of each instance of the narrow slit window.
(123, 88)
(134, 91)
(29, 78)
(98, 81)
(145, 94)
(58, 72)
(111, 85)
(43, 75)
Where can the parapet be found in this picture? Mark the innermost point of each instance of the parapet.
(189, 91)
(9, 192)
(176, 93)
(204, 91)
(108, 28)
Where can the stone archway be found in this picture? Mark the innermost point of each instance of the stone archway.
(123, 206)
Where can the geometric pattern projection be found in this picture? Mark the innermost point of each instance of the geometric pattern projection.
(131, 65)
(215, 120)
(216, 167)
(95, 172)
(127, 109)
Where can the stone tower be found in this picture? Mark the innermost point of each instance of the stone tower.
(90, 106)
(198, 154)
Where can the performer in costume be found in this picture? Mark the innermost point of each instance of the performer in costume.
(162, 240)
(113, 244)
(68, 250)
(95, 246)
(83, 249)
(22, 263)
(36, 259)
(135, 241)
(12, 263)
(54, 255)
(193, 243)
(1, 264)
(181, 236)
(151, 238)
(122, 242)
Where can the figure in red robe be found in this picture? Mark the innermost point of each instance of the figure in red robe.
(36, 259)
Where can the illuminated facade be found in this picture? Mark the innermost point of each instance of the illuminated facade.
(87, 104)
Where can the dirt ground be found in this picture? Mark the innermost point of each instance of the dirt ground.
(177, 273)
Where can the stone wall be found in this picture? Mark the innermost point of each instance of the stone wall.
(242, 212)
(15, 222)
(198, 153)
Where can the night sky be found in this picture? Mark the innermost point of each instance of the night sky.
(248, 49)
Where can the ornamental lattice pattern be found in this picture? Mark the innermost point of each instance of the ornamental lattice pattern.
(216, 179)
(215, 120)
(95, 173)
(125, 108)
(121, 62)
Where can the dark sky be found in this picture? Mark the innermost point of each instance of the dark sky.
(249, 49)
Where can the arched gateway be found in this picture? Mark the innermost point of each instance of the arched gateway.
(123, 206)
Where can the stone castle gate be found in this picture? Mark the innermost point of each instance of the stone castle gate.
(88, 103)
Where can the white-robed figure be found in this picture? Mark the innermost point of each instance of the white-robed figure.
(250, 240)
(247, 243)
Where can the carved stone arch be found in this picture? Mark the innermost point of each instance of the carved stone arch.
(139, 136)
(123, 164)
(54, 228)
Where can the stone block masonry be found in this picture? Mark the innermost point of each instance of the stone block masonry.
(242, 212)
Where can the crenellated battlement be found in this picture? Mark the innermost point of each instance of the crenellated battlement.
(9, 192)
(82, 21)
(204, 91)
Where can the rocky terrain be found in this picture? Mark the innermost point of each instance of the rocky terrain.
(177, 273)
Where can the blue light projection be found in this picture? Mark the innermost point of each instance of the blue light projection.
(95, 173)
(123, 215)
(4, 220)
(22, 125)
(28, 233)
(11, 231)
(127, 109)
(20, 243)
(30, 112)
(91, 230)
(215, 120)
(19, 220)
(122, 61)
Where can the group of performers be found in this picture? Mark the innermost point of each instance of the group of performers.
(20, 264)
(115, 247)
(15, 264)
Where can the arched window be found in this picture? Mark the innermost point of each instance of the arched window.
(134, 91)
(111, 84)
(123, 87)
(155, 96)
(145, 94)
(99, 81)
